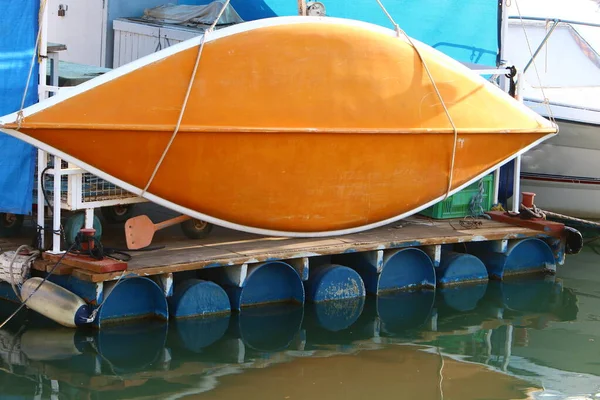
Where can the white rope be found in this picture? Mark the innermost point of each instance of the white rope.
(439, 95)
(26, 264)
(187, 95)
(546, 101)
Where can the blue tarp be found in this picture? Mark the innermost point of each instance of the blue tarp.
(466, 30)
(19, 26)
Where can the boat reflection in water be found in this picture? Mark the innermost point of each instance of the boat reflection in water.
(391, 344)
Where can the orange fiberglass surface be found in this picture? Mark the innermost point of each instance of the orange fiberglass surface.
(294, 126)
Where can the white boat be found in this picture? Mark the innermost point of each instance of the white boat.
(563, 83)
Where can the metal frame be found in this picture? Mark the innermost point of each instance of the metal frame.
(74, 198)
(555, 21)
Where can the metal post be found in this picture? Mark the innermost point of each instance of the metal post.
(42, 162)
(517, 173)
(301, 7)
(89, 218)
(537, 51)
(56, 206)
(496, 194)
(503, 30)
(43, 52)
(42, 156)
(503, 84)
(517, 185)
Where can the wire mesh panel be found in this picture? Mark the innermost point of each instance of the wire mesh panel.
(84, 190)
(97, 189)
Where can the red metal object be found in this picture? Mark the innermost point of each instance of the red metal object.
(528, 199)
(89, 235)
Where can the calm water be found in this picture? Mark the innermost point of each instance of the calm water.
(538, 338)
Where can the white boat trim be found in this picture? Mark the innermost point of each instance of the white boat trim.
(231, 225)
(565, 112)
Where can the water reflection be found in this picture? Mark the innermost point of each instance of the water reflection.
(483, 323)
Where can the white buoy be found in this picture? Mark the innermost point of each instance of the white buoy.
(55, 302)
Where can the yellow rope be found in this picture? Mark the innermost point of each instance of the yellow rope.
(187, 95)
(439, 95)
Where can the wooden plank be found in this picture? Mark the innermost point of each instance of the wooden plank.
(179, 253)
(87, 263)
(237, 250)
(549, 227)
(47, 266)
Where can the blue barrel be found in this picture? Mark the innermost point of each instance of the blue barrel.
(196, 298)
(402, 269)
(132, 298)
(333, 282)
(269, 282)
(530, 255)
(460, 268)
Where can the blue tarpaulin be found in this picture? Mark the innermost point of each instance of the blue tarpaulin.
(466, 30)
(19, 26)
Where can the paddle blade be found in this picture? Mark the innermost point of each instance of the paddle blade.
(139, 232)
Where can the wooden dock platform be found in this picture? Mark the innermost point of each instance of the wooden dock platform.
(227, 248)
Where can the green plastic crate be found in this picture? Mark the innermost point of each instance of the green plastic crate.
(457, 205)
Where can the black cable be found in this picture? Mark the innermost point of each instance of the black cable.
(37, 241)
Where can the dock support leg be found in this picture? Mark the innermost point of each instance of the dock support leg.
(301, 265)
(434, 252)
(165, 281)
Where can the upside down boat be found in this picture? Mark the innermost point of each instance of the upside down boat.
(294, 126)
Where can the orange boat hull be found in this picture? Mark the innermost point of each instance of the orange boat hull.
(294, 126)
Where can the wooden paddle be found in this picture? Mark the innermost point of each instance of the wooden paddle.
(139, 230)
